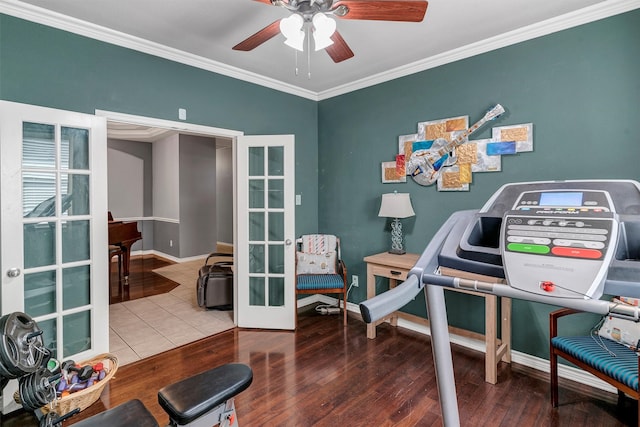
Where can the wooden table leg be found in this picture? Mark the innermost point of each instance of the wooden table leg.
(491, 368)
(505, 311)
(371, 292)
(394, 318)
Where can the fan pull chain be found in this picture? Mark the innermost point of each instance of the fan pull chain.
(296, 54)
(308, 54)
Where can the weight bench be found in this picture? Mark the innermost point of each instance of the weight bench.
(203, 400)
(615, 364)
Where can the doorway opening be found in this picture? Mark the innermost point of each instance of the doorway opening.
(176, 182)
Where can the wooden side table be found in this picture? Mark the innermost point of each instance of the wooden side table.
(396, 268)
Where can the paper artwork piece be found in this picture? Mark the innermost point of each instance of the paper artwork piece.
(390, 173)
(401, 167)
(450, 180)
(442, 128)
(521, 135)
(500, 148)
(484, 161)
(405, 144)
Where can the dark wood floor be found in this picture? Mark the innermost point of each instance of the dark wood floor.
(143, 282)
(327, 375)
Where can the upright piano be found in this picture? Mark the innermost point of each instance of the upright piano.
(124, 235)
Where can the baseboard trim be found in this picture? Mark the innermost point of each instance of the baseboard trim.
(167, 256)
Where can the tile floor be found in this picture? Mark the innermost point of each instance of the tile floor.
(143, 327)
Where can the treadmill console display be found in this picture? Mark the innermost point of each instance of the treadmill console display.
(559, 243)
(565, 202)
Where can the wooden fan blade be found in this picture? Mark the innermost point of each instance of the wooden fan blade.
(382, 10)
(339, 50)
(260, 37)
(271, 2)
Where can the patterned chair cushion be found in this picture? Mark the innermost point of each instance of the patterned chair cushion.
(319, 281)
(623, 367)
(319, 243)
(316, 263)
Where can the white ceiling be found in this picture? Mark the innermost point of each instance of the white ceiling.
(202, 33)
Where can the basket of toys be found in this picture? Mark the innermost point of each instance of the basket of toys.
(81, 384)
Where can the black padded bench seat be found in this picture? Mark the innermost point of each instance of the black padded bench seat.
(193, 397)
(131, 413)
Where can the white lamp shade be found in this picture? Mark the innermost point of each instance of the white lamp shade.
(291, 28)
(396, 205)
(324, 27)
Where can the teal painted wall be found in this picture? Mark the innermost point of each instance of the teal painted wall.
(579, 87)
(44, 66)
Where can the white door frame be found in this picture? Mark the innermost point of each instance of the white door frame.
(188, 128)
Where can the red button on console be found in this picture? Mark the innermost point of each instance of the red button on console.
(547, 286)
(576, 253)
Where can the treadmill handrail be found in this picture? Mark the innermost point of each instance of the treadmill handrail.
(387, 302)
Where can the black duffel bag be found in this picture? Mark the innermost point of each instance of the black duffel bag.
(214, 287)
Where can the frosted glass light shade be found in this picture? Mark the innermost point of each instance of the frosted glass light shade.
(324, 27)
(291, 28)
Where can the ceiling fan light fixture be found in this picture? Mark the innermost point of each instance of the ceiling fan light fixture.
(291, 28)
(323, 29)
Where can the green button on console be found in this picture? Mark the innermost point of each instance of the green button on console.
(531, 249)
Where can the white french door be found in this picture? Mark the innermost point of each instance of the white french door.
(265, 246)
(53, 235)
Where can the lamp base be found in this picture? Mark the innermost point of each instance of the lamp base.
(397, 251)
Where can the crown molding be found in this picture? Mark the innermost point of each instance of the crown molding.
(49, 18)
(559, 23)
(39, 15)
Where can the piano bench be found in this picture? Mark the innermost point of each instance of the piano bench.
(208, 394)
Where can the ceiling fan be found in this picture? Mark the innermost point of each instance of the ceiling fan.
(316, 14)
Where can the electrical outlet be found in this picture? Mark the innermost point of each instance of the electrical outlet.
(354, 280)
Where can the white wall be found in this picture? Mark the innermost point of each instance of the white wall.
(126, 184)
(166, 178)
(224, 194)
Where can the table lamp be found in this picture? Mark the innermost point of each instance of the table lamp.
(396, 205)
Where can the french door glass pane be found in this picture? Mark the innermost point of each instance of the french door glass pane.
(256, 291)
(38, 194)
(76, 286)
(256, 259)
(40, 293)
(39, 244)
(256, 226)
(38, 145)
(49, 332)
(276, 161)
(76, 330)
(276, 291)
(75, 241)
(256, 161)
(74, 148)
(74, 191)
(256, 193)
(276, 259)
(276, 193)
(276, 226)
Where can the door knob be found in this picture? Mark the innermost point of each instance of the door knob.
(287, 242)
(13, 272)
